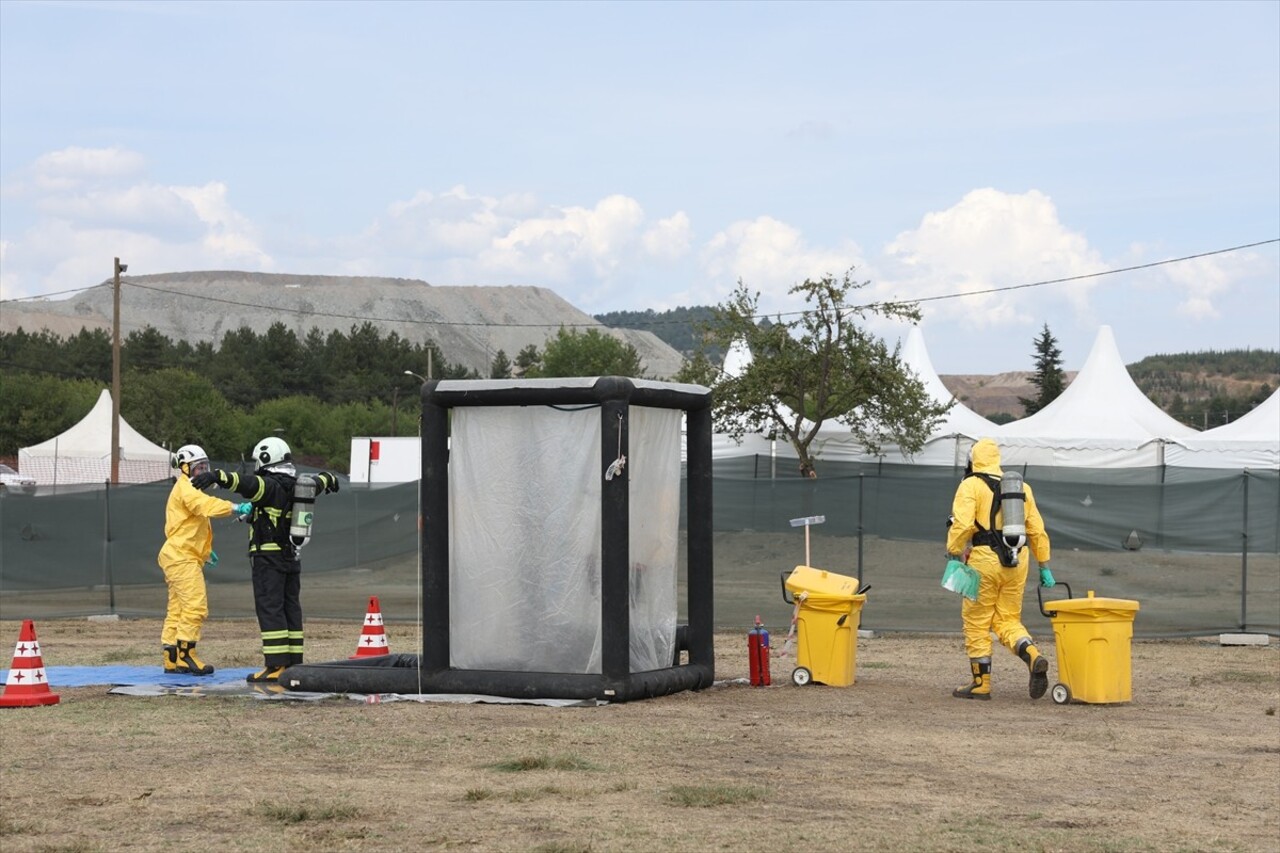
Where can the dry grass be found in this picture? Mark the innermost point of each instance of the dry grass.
(890, 763)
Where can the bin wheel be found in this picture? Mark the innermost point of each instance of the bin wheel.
(1061, 694)
(800, 676)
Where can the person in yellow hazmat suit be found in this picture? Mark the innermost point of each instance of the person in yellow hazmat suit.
(997, 548)
(188, 546)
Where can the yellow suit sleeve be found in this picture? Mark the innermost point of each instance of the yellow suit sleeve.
(964, 508)
(198, 503)
(1037, 538)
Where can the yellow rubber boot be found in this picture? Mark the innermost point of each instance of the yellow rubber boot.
(980, 688)
(188, 662)
(266, 674)
(1037, 665)
(170, 658)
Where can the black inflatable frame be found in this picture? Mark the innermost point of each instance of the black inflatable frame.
(430, 672)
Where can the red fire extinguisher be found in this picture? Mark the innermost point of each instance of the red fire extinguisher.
(758, 654)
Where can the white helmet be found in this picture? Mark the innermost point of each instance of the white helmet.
(191, 459)
(271, 451)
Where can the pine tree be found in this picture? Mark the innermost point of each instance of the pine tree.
(1049, 376)
(500, 367)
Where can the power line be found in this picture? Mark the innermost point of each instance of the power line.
(411, 321)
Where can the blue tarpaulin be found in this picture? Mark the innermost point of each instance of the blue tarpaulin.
(87, 676)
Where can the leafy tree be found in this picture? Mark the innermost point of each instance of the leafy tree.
(589, 353)
(87, 354)
(500, 367)
(1048, 377)
(822, 366)
(145, 350)
(36, 407)
(304, 422)
(528, 359)
(173, 407)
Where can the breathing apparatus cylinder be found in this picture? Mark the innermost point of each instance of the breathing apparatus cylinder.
(758, 654)
(304, 502)
(1013, 508)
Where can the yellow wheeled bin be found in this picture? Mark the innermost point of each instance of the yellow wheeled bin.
(1093, 637)
(828, 610)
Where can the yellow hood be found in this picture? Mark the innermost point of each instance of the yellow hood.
(986, 458)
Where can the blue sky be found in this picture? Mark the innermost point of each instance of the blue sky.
(650, 155)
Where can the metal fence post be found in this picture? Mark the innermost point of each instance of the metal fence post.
(108, 573)
(1244, 556)
(861, 575)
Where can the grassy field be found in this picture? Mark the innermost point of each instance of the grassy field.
(889, 763)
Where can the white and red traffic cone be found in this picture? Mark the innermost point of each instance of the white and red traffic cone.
(373, 637)
(27, 685)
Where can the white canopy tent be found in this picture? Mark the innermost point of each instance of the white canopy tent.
(1102, 420)
(82, 454)
(1252, 441)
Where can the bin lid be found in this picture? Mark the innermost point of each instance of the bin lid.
(821, 582)
(1079, 605)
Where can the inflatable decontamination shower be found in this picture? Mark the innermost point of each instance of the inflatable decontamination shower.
(550, 535)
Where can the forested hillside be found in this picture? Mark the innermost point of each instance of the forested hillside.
(1210, 388)
(678, 328)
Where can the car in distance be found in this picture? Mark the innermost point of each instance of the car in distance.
(11, 479)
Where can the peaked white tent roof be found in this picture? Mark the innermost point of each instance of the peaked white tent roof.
(960, 419)
(82, 454)
(1252, 441)
(1102, 420)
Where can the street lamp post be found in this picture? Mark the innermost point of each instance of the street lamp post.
(115, 371)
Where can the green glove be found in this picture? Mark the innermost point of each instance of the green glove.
(213, 559)
(1046, 576)
(242, 510)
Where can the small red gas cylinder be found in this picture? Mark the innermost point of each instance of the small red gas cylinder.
(758, 654)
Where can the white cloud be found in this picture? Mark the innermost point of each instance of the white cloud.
(1204, 282)
(991, 239)
(73, 167)
(585, 253)
(670, 238)
(769, 256)
(91, 205)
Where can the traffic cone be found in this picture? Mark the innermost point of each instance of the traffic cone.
(27, 684)
(373, 639)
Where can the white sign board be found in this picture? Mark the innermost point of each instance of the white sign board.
(386, 460)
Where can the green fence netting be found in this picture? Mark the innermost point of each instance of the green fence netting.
(1199, 549)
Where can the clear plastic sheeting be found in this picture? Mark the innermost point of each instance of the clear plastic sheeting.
(654, 469)
(519, 599)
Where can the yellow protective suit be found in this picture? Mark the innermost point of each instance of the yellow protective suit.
(187, 545)
(998, 607)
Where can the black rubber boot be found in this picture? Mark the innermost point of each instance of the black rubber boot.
(1037, 665)
(980, 688)
(170, 658)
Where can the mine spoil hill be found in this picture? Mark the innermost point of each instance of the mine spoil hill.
(994, 394)
(468, 324)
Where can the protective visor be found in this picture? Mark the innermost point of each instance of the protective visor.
(197, 467)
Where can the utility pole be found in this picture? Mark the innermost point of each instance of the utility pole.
(115, 372)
